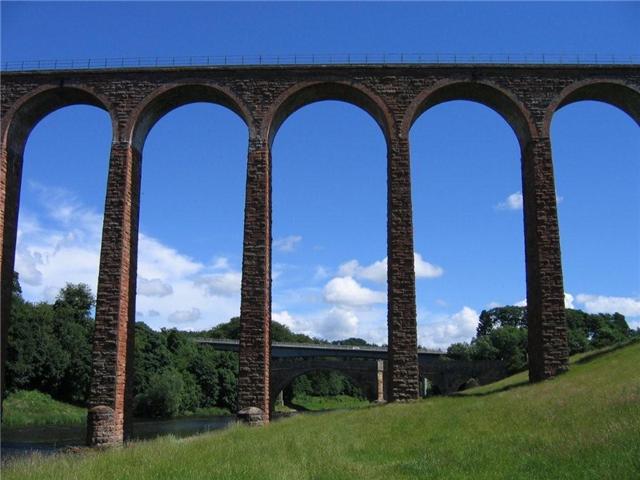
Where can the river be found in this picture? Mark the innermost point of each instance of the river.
(49, 439)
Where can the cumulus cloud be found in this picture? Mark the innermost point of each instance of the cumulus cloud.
(627, 306)
(339, 323)
(515, 202)
(60, 244)
(59, 241)
(332, 324)
(184, 316)
(153, 287)
(156, 260)
(568, 301)
(425, 269)
(347, 291)
(443, 330)
(287, 244)
(512, 202)
(377, 271)
(225, 284)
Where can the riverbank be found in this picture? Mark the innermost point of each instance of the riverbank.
(28, 408)
(583, 424)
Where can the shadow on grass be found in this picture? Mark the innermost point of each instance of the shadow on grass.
(590, 356)
(511, 386)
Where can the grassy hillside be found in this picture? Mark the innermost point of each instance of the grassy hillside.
(585, 424)
(27, 408)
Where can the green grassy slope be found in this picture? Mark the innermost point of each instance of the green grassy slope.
(26, 408)
(584, 424)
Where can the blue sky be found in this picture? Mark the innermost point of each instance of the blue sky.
(329, 166)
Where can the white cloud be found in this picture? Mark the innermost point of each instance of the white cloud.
(627, 306)
(333, 324)
(425, 269)
(444, 330)
(512, 202)
(156, 260)
(184, 316)
(347, 291)
(377, 271)
(59, 242)
(515, 202)
(339, 323)
(287, 244)
(568, 301)
(226, 284)
(284, 318)
(220, 263)
(153, 288)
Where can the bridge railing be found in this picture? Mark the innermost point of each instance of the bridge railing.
(321, 59)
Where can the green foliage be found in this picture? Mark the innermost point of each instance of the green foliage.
(164, 397)
(324, 383)
(353, 341)
(502, 335)
(25, 408)
(49, 346)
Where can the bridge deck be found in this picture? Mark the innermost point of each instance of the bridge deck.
(288, 350)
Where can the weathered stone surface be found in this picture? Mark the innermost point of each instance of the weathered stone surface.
(252, 416)
(394, 95)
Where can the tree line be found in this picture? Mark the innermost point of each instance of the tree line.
(49, 349)
(502, 335)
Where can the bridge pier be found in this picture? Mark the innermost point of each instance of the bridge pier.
(110, 397)
(548, 345)
(381, 394)
(401, 316)
(255, 303)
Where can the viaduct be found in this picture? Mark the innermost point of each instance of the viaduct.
(366, 366)
(395, 95)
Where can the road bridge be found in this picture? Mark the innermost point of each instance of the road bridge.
(365, 365)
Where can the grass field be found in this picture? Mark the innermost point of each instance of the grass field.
(338, 402)
(31, 408)
(583, 425)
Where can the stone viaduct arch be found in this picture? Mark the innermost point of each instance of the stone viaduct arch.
(395, 95)
(363, 372)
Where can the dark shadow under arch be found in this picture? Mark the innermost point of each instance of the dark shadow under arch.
(366, 385)
(168, 98)
(305, 94)
(502, 102)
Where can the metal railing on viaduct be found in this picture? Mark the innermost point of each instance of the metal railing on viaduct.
(288, 350)
(323, 59)
(395, 95)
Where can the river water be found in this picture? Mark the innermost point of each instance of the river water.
(49, 439)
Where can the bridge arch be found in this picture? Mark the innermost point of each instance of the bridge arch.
(496, 98)
(614, 92)
(171, 96)
(363, 373)
(305, 93)
(29, 110)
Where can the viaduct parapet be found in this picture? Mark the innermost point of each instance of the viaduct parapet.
(526, 96)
